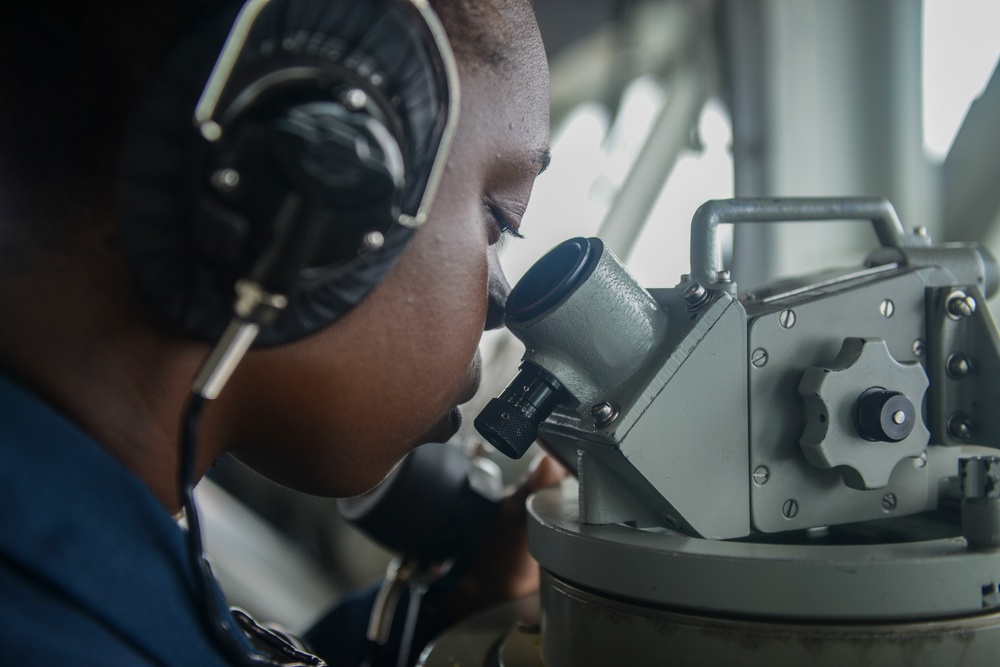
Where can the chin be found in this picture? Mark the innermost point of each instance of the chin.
(444, 429)
(368, 476)
(451, 421)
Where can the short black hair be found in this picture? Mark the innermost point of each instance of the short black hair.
(70, 72)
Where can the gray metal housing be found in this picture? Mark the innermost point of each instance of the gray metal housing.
(711, 435)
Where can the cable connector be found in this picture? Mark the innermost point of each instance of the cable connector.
(255, 308)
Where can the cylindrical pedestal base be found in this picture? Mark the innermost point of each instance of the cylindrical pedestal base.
(583, 629)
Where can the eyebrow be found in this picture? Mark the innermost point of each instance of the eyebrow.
(543, 157)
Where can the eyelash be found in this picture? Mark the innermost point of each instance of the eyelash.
(505, 228)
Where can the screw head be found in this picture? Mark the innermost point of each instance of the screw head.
(760, 475)
(603, 414)
(724, 277)
(889, 502)
(920, 231)
(887, 308)
(695, 295)
(226, 180)
(354, 99)
(373, 241)
(918, 347)
(787, 318)
(960, 305)
(959, 366)
(790, 508)
(961, 427)
(759, 357)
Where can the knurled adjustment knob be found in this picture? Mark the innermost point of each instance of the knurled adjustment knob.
(510, 423)
(861, 413)
(506, 428)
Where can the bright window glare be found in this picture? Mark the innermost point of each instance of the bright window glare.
(961, 47)
(591, 160)
(662, 253)
(642, 101)
(561, 206)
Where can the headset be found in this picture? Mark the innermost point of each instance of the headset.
(295, 145)
(272, 173)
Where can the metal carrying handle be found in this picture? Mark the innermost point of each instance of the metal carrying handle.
(706, 251)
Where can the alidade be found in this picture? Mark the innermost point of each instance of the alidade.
(803, 475)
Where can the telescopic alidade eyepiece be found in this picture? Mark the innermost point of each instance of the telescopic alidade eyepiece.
(510, 423)
(588, 327)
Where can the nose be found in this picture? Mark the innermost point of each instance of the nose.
(497, 289)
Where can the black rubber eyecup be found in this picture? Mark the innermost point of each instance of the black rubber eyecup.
(552, 279)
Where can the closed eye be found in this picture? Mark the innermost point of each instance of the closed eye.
(503, 225)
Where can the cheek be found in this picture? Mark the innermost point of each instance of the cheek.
(337, 410)
(428, 318)
(433, 307)
(442, 282)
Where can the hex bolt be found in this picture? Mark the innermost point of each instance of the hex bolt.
(226, 180)
(603, 414)
(918, 347)
(887, 308)
(958, 366)
(759, 357)
(695, 296)
(760, 475)
(790, 509)
(889, 502)
(960, 305)
(961, 427)
(373, 241)
(787, 318)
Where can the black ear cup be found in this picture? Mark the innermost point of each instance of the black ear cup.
(331, 124)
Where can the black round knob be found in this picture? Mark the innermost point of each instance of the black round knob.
(881, 415)
(510, 423)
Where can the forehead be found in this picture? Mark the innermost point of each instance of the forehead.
(507, 98)
(487, 32)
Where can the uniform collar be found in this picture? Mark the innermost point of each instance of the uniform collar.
(77, 519)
